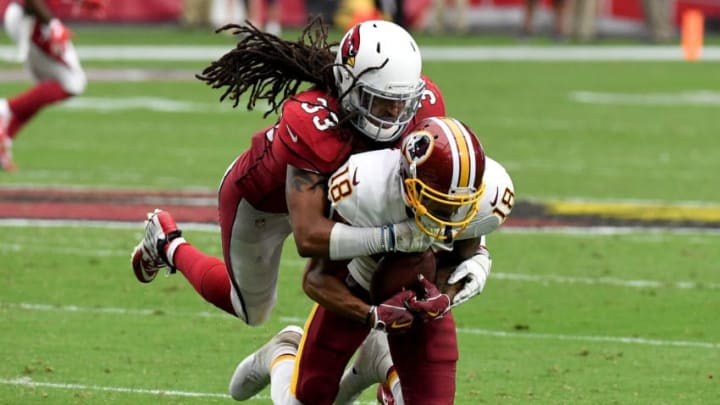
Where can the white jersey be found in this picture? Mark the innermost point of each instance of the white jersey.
(367, 191)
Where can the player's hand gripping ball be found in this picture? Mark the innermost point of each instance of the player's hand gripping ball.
(398, 271)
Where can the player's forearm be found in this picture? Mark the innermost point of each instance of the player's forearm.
(312, 237)
(330, 292)
(306, 201)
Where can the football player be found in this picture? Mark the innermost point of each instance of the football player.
(44, 44)
(373, 363)
(436, 177)
(364, 96)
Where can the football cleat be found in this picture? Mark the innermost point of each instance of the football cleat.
(253, 373)
(6, 162)
(162, 236)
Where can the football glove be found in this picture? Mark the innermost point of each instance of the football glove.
(474, 272)
(433, 306)
(392, 316)
(407, 237)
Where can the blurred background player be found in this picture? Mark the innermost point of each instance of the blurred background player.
(44, 44)
(658, 19)
(582, 15)
(559, 12)
(461, 10)
(265, 14)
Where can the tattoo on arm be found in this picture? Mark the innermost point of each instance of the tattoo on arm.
(303, 180)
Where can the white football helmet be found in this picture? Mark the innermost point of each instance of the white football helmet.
(377, 73)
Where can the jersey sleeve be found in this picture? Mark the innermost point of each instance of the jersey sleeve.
(496, 203)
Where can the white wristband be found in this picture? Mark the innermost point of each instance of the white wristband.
(348, 241)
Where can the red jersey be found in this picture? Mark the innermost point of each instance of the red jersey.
(305, 137)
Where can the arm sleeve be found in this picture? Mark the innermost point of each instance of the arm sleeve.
(347, 242)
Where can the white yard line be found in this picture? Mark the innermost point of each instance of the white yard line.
(708, 98)
(557, 279)
(581, 338)
(194, 226)
(27, 382)
(469, 331)
(522, 277)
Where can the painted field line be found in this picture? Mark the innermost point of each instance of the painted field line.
(581, 338)
(552, 278)
(606, 230)
(196, 226)
(560, 279)
(82, 223)
(113, 310)
(27, 382)
(699, 98)
(468, 331)
(523, 277)
(27, 247)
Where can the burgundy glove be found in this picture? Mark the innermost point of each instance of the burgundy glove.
(433, 306)
(392, 316)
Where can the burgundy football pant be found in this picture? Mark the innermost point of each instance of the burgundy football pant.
(425, 358)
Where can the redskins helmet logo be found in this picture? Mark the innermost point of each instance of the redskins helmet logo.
(418, 147)
(350, 46)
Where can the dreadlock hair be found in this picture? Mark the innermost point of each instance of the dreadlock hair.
(271, 68)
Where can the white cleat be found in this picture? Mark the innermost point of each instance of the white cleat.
(253, 373)
(150, 255)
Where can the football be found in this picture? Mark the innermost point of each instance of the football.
(400, 270)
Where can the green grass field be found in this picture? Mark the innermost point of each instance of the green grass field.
(584, 317)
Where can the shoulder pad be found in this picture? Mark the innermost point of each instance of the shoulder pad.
(308, 127)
